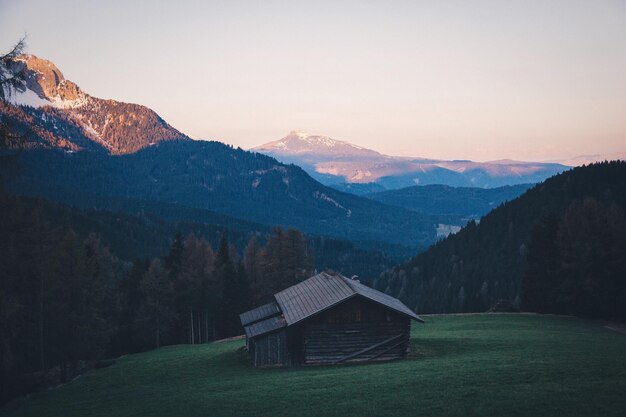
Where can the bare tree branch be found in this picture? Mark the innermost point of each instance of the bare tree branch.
(12, 77)
(18, 49)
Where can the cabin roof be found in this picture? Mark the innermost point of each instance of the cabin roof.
(310, 297)
(382, 298)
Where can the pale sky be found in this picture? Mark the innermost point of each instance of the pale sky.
(482, 80)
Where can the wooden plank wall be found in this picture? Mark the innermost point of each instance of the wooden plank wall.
(270, 349)
(327, 343)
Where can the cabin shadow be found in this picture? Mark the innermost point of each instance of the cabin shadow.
(424, 348)
(419, 349)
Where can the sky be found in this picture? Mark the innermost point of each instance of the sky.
(482, 80)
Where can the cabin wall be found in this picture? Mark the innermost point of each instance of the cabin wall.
(338, 334)
(269, 349)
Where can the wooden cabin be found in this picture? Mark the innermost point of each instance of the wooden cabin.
(328, 319)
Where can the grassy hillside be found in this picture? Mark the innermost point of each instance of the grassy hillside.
(483, 365)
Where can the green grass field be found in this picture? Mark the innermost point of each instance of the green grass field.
(474, 365)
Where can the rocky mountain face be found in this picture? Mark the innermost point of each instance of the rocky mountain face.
(338, 163)
(54, 102)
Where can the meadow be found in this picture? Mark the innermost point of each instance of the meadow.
(459, 365)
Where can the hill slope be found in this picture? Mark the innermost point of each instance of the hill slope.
(213, 176)
(472, 270)
(518, 365)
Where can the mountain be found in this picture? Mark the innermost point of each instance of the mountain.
(336, 162)
(56, 113)
(469, 203)
(571, 227)
(88, 152)
(311, 146)
(590, 159)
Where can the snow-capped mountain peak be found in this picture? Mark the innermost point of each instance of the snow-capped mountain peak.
(46, 85)
(302, 143)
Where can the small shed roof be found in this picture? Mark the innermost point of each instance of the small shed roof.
(265, 326)
(310, 297)
(259, 313)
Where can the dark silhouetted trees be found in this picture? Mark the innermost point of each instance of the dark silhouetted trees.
(157, 313)
(578, 265)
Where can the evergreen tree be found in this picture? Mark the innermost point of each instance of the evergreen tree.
(227, 278)
(252, 263)
(592, 248)
(156, 313)
(193, 282)
(174, 257)
(541, 278)
(285, 261)
(78, 299)
(130, 295)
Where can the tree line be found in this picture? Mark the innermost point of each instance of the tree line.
(67, 302)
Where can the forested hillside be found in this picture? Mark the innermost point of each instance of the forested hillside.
(558, 248)
(219, 178)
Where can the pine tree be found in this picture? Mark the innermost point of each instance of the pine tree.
(192, 284)
(156, 313)
(227, 278)
(592, 243)
(540, 282)
(174, 257)
(285, 261)
(131, 299)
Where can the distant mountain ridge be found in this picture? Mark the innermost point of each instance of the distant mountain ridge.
(469, 203)
(53, 101)
(337, 163)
